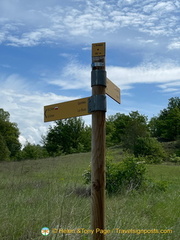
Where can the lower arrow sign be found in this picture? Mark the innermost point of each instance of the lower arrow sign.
(65, 110)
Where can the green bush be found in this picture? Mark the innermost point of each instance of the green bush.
(122, 176)
(149, 148)
(127, 176)
(154, 186)
(174, 158)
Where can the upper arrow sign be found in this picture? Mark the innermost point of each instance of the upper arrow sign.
(112, 90)
(98, 49)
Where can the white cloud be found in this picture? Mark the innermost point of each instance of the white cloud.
(145, 42)
(77, 76)
(165, 77)
(144, 74)
(165, 6)
(173, 86)
(2, 37)
(73, 76)
(38, 22)
(174, 45)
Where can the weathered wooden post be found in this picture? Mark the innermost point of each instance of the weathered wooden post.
(98, 83)
(95, 105)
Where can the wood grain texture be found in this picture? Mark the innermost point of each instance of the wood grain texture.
(98, 169)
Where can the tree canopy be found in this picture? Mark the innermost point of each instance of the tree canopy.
(166, 126)
(9, 136)
(125, 129)
(68, 136)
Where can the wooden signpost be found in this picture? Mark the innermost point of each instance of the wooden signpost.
(95, 105)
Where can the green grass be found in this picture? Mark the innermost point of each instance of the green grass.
(47, 192)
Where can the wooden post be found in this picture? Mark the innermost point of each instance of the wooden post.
(98, 167)
(95, 105)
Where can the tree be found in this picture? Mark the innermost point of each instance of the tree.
(4, 116)
(4, 151)
(167, 125)
(85, 138)
(32, 151)
(125, 129)
(10, 133)
(174, 103)
(67, 136)
(150, 148)
(135, 128)
(115, 128)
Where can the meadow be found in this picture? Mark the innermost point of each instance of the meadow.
(50, 193)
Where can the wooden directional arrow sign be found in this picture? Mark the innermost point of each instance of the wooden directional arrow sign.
(112, 90)
(64, 110)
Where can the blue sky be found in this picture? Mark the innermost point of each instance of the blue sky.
(45, 55)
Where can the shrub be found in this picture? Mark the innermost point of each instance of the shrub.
(149, 148)
(174, 158)
(32, 151)
(126, 175)
(154, 186)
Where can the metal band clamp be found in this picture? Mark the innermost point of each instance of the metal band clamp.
(97, 103)
(98, 78)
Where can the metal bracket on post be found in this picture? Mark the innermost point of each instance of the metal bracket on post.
(98, 78)
(97, 103)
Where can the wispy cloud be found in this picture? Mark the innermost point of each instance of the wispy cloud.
(173, 86)
(175, 44)
(145, 74)
(29, 25)
(77, 76)
(72, 76)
